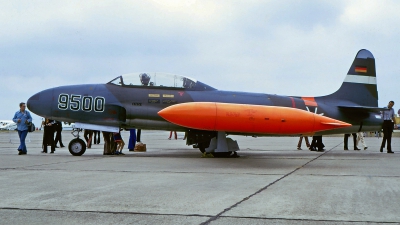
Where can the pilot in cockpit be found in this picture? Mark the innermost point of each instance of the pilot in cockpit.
(144, 79)
(187, 83)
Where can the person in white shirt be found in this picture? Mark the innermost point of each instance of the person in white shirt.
(388, 124)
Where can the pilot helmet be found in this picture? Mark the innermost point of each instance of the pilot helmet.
(144, 78)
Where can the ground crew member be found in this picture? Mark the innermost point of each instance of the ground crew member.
(388, 124)
(58, 129)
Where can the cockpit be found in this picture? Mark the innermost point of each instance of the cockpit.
(162, 80)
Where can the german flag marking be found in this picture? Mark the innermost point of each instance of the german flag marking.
(361, 69)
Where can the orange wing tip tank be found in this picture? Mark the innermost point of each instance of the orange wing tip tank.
(245, 118)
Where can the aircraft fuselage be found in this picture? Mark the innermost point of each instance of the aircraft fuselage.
(138, 107)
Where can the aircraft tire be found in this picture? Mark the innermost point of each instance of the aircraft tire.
(77, 147)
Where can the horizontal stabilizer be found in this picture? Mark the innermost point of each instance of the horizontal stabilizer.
(363, 108)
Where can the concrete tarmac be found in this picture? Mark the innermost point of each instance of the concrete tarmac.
(271, 183)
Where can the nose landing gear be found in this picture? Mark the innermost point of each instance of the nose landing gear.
(77, 146)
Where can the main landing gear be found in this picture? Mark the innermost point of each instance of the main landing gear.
(217, 146)
(77, 146)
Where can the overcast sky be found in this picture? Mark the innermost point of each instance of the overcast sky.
(280, 47)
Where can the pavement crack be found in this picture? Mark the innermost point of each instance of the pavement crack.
(264, 188)
(310, 220)
(56, 163)
(106, 212)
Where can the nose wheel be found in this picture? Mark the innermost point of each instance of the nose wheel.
(77, 147)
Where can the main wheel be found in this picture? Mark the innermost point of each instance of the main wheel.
(77, 147)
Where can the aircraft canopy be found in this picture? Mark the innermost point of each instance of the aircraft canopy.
(155, 80)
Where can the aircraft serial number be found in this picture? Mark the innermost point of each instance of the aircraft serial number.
(77, 103)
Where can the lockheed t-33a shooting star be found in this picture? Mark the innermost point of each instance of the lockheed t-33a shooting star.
(170, 102)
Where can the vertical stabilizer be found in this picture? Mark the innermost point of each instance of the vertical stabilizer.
(359, 86)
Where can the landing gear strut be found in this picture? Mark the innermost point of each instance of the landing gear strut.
(219, 147)
(202, 147)
(77, 146)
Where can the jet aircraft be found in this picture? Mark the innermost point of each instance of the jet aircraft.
(7, 125)
(170, 102)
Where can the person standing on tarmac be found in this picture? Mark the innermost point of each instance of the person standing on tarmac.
(58, 129)
(22, 117)
(317, 143)
(388, 125)
(119, 142)
(96, 135)
(360, 137)
(138, 134)
(48, 135)
(301, 140)
(346, 138)
(88, 135)
(170, 135)
(132, 139)
(107, 144)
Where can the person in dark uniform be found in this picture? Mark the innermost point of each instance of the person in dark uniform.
(346, 138)
(96, 137)
(316, 144)
(388, 125)
(48, 135)
(139, 132)
(58, 129)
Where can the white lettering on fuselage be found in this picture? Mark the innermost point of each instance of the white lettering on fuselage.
(78, 103)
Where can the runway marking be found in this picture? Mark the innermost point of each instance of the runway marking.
(264, 188)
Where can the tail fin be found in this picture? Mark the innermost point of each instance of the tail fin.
(359, 86)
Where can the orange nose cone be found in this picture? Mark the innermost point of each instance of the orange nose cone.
(201, 115)
(325, 123)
